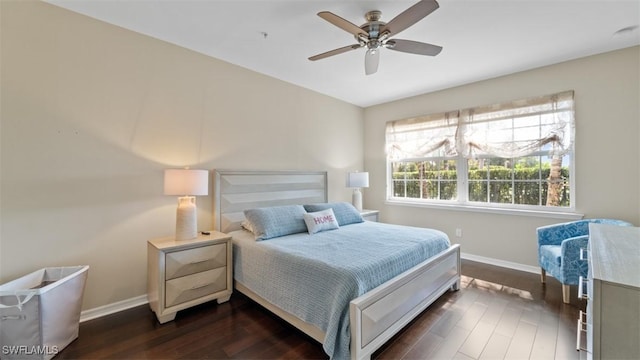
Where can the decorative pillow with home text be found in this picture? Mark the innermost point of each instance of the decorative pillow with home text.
(345, 212)
(321, 221)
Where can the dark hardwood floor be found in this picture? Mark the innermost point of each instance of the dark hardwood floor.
(498, 314)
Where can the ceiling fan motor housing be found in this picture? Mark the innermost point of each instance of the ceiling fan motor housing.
(372, 27)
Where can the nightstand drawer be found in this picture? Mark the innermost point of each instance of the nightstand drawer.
(195, 286)
(186, 262)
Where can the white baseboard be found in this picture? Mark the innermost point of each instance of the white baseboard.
(115, 307)
(142, 299)
(501, 263)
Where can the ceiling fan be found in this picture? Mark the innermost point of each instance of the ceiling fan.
(375, 34)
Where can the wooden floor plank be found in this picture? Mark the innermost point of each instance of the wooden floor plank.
(461, 356)
(477, 340)
(472, 316)
(522, 341)
(509, 321)
(451, 344)
(495, 309)
(497, 314)
(544, 345)
(424, 349)
(455, 312)
(496, 347)
(403, 342)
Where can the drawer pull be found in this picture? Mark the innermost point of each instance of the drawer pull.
(581, 328)
(582, 286)
(195, 287)
(198, 262)
(584, 254)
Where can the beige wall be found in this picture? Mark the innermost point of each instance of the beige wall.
(92, 114)
(607, 150)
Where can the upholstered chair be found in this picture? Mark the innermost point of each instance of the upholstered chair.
(559, 251)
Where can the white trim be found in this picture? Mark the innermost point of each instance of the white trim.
(490, 210)
(115, 307)
(109, 309)
(501, 263)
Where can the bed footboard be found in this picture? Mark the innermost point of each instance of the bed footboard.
(379, 314)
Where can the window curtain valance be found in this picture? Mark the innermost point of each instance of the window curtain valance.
(512, 129)
(518, 128)
(424, 136)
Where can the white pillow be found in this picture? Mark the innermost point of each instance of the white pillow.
(345, 212)
(320, 221)
(246, 224)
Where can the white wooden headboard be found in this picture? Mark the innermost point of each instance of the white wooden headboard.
(239, 190)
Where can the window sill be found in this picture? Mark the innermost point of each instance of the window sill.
(490, 210)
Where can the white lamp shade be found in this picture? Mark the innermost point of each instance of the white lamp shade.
(183, 182)
(358, 180)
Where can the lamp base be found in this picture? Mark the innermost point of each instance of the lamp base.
(356, 199)
(186, 218)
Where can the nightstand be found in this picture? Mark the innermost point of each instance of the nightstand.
(185, 273)
(370, 215)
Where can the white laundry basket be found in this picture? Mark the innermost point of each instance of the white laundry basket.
(40, 312)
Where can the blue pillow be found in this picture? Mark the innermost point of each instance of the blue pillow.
(271, 222)
(345, 212)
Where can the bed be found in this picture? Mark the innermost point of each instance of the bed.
(355, 310)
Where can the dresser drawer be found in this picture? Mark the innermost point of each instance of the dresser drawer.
(186, 262)
(195, 286)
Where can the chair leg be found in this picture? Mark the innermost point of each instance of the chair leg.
(543, 275)
(566, 294)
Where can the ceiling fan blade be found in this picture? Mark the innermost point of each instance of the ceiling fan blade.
(413, 47)
(371, 61)
(342, 23)
(335, 52)
(410, 16)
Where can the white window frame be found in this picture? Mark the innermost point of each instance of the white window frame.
(462, 202)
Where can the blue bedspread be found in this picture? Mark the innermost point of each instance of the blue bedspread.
(315, 276)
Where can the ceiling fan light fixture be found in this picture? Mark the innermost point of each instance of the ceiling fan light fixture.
(375, 34)
(371, 61)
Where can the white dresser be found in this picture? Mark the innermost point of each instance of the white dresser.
(612, 289)
(185, 273)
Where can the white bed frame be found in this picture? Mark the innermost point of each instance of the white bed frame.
(375, 316)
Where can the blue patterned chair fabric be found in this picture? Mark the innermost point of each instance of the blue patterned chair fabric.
(559, 250)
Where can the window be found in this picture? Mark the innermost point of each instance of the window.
(514, 155)
(434, 179)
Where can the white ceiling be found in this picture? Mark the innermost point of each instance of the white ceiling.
(481, 39)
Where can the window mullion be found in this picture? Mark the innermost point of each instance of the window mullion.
(462, 179)
(515, 182)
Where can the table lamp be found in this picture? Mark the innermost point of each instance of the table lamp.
(357, 180)
(187, 184)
